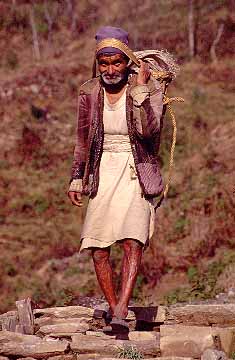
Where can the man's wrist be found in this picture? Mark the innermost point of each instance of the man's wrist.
(139, 93)
(76, 185)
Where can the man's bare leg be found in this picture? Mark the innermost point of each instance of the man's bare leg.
(130, 266)
(105, 275)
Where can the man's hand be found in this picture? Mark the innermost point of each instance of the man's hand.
(143, 74)
(76, 198)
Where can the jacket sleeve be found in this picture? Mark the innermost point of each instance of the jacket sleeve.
(147, 108)
(80, 150)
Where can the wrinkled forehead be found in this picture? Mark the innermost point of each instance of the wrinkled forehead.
(108, 58)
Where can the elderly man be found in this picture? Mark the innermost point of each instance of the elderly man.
(115, 163)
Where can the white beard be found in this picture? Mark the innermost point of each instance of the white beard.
(113, 79)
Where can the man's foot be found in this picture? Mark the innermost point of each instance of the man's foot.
(108, 315)
(119, 326)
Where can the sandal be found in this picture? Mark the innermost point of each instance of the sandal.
(119, 325)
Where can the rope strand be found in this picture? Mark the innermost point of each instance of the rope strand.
(167, 101)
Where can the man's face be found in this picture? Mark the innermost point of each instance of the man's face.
(112, 68)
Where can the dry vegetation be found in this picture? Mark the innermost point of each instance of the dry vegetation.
(192, 253)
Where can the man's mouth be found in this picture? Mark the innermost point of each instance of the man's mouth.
(111, 79)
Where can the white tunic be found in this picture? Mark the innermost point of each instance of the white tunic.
(118, 211)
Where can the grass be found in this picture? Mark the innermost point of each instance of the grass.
(203, 283)
(130, 352)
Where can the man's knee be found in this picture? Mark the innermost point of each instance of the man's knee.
(100, 255)
(131, 245)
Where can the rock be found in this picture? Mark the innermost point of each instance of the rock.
(132, 336)
(47, 320)
(60, 335)
(65, 311)
(4, 358)
(9, 320)
(154, 314)
(142, 335)
(139, 313)
(160, 358)
(16, 344)
(71, 315)
(224, 336)
(227, 336)
(101, 311)
(7, 336)
(90, 357)
(8, 314)
(171, 358)
(69, 327)
(62, 357)
(26, 358)
(189, 341)
(210, 354)
(100, 335)
(26, 318)
(222, 314)
(91, 344)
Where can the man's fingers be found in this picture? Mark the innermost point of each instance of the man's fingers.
(144, 73)
(76, 198)
(144, 66)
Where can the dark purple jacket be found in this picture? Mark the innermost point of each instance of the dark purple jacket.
(144, 127)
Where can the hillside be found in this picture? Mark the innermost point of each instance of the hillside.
(192, 253)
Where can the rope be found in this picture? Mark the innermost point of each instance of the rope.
(167, 101)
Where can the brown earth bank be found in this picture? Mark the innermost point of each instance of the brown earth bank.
(191, 256)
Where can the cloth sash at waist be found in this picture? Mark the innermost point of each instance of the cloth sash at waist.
(116, 143)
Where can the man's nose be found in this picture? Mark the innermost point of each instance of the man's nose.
(110, 70)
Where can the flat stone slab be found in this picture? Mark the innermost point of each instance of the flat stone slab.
(223, 336)
(15, 344)
(62, 357)
(211, 354)
(51, 320)
(227, 338)
(65, 312)
(189, 341)
(100, 335)
(132, 335)
(218, 314)
(7, 336)
(89, 357)
(69, 327)
(90, 344)
(160, 358)
(9, 320)
(152, 314)
(183, 340)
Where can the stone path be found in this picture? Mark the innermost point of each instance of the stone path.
(205, 331)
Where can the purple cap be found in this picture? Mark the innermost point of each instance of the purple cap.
(111, 32)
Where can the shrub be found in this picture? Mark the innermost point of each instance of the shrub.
(130, 352)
